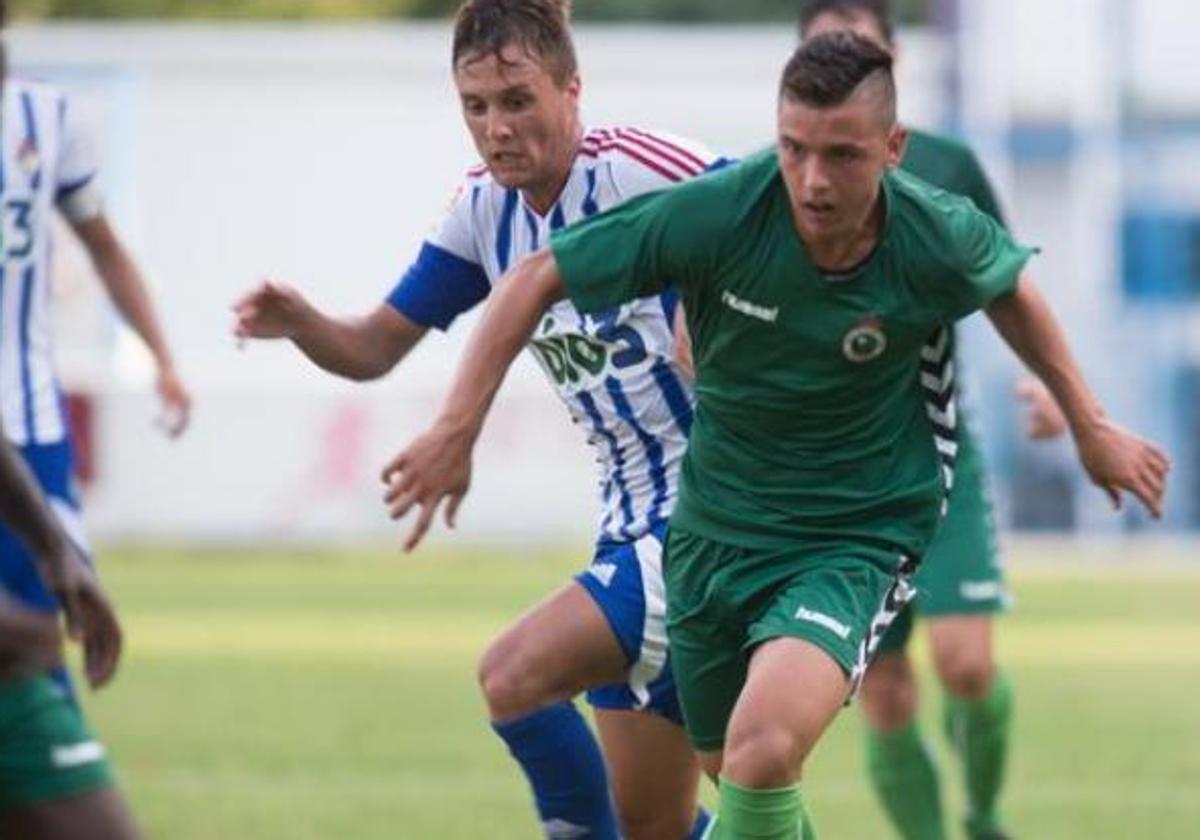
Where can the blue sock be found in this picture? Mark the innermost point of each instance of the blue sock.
(562, 762)
(703, 818)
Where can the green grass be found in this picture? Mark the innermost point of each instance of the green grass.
(332, 695)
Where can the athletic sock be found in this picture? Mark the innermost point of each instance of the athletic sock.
(903, 773)
(773, 814)
(562, 762)
(978, 730)
(703, 818)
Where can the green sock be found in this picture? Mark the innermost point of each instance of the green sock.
(905, 779)
(745, 814)
(978, 730)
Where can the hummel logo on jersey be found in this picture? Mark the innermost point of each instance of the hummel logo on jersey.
(828, 622)
(563, 830)
(603, 572)
(754, 310)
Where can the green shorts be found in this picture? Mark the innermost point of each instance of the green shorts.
(46, 750)
(961, 573)
(723, 601)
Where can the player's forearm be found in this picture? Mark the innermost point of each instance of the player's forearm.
(355, 347)
(508, 322)
(29, 640)
(1025, 321)
(129, 295)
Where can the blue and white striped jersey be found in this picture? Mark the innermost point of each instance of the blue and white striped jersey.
(45, 163)
(613, 371)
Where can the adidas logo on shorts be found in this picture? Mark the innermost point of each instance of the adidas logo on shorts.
(603, 572)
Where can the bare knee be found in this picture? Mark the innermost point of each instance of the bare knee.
(889, 693)
(509, 688)
(762, 755)
(966, 672)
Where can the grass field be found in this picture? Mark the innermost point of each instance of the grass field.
(331, 695)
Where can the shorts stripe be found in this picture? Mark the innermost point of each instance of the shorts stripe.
(899, 594)
(652, 658)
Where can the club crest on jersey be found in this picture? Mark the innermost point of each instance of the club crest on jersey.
(28, 158)
(866, 341)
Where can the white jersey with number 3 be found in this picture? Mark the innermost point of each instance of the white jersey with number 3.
(613, 370)
(45, 164)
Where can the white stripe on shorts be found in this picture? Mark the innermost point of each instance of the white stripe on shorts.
(652, 657)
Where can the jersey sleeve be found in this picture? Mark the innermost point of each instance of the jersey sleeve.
(447, 278)
(983, 259)
(76, 191)
(635, 250)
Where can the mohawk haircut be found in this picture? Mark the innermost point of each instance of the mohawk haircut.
(826, 70)
(878, 10)
(540, 27)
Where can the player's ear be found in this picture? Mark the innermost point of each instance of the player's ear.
(897, 141)
(574, 86)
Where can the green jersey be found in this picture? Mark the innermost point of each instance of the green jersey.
(812, 419)
(952, 166)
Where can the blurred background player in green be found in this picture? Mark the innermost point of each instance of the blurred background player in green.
(818, 285)
(55, 782)
(960, 585)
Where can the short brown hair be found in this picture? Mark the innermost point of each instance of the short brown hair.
(540, 27)
(824, 71)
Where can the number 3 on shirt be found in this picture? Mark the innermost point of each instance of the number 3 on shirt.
(16, 218)
(632, 348)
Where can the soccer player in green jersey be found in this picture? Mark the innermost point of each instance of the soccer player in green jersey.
(960, 585)
(55, 783)
(819, 284)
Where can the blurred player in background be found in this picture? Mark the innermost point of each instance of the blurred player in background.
(819, 286)
(961, 583)
(47, 164)
(55, 783)
(516, 74)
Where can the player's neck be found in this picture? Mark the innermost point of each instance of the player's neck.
(541, 197)
(847, 249)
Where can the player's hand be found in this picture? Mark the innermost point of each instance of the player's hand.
(176, 402)
(1044, 419)
(435, 466)
(681, 345)
(1119, 461)
(90, 617)
(270, 310)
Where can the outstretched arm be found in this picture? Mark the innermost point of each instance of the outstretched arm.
(356, 347)
(1116, 460)
(125, 286)
(437, 464)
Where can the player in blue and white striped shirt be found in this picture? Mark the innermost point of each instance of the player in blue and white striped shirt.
(48, 165)
(604, 633)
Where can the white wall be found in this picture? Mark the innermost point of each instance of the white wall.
(321, 155)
